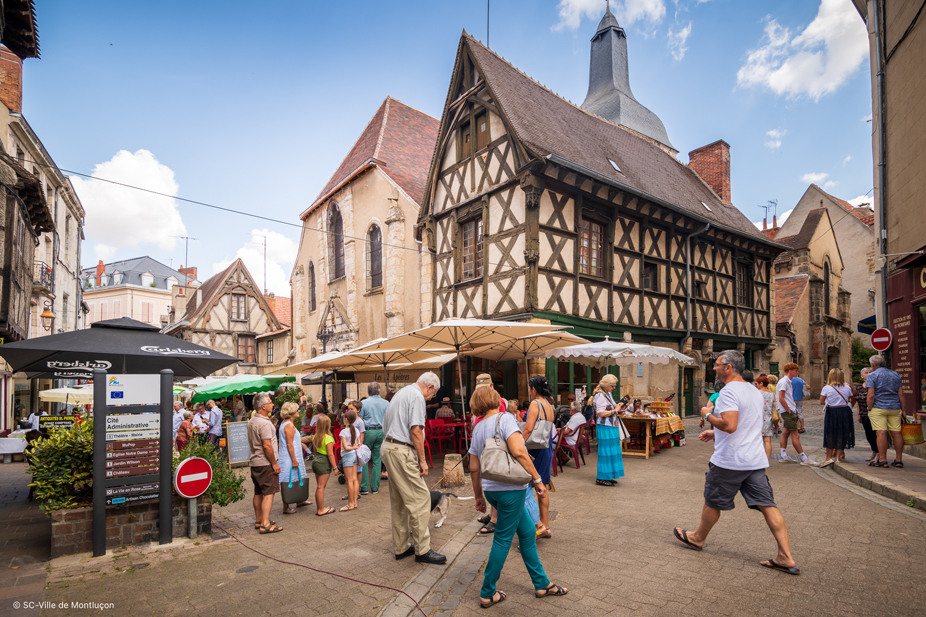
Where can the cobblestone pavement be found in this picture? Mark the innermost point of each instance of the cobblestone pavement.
(612, 547)
(25, 537)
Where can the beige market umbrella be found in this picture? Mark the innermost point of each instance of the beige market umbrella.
(68, 396)
(526, 347)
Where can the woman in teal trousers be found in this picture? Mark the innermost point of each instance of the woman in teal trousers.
(508, 499)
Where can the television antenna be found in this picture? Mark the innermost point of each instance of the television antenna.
(186, 240)
(265, 257)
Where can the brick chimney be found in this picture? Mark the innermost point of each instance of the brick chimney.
(188, 272)
(712, 163)
(100, 269)
(11, 80)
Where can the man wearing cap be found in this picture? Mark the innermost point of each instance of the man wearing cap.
(445, 410)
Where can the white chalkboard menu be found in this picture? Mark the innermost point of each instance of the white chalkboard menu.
(237, 435)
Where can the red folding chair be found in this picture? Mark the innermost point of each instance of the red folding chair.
(576, 449)
(466, 436)
(559, 438)
(586, 435)
(437, 430)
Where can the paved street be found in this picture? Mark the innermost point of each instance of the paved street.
(613, 548)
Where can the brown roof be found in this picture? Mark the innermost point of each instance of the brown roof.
(274, 333)
(548, 124)
(208, 289)
(859, 213)
(801, 239)
(788, 293)
(400, 140)
(282, 308)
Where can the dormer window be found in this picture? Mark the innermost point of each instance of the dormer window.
(147, 279)
(171, 282)
(117, 278)
(104, 280)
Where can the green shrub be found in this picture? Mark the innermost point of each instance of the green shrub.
(226, 487)
(860, 355)
(62, 467)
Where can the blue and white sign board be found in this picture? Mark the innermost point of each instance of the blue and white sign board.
(133, 390)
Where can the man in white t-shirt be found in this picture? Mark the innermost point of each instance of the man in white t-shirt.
(739, 462)
(787, 409)
(576, 420)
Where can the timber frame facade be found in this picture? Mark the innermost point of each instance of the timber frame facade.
(566, 243)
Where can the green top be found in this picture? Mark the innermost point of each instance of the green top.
(324, 449)
(714, 396)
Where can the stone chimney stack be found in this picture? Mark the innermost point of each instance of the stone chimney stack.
(100, 269)
(11, 80)
(188, 272)
(712, 163)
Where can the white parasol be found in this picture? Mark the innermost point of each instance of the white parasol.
(612, 353)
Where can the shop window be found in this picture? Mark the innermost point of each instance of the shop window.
(472, 248)
(239, 305)
(591, 248)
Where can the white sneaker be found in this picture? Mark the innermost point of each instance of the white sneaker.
(810, 463)
(787, 459)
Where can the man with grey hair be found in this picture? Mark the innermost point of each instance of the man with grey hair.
(265, 470)
(739, 462)
(403, 451)
(178, 417)
(861, 397)
(885, 406)
(372, 411)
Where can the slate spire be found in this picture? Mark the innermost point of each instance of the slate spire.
(609, 94)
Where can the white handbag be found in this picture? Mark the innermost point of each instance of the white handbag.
(497, 464)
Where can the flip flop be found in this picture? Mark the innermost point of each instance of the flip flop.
(327, 511)
(303, 504)
(493, 602)
(552, 590)
(289, 511)
(684, 538)
(774, 566)
(347, 508)
(270, 529)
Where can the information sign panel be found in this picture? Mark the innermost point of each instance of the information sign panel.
(132, 435)
(132, 493)
(131, 462)
(132, 443)
(132, 389)
(47, 422)
(237, 435)
(132, 471)
(133, 453)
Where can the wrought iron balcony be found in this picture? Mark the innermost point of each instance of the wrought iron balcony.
(43, 278)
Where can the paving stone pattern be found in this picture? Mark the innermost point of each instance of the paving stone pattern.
(25, 537)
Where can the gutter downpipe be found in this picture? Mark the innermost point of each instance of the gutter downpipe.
(881, 164)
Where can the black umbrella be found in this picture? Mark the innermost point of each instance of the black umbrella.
(121, 346)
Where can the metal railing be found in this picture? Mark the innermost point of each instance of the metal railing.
(43, 276)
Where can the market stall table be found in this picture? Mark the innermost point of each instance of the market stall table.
(10, 446)
(646, 423)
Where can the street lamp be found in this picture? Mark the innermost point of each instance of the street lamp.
(48, 317)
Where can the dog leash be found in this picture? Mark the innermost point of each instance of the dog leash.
(446, 473)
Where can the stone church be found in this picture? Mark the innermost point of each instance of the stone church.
(539, 209)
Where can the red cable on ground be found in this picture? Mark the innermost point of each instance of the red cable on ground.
(290, 563)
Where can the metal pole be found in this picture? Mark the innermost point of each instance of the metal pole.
(99, 462)
(191, 510)
(165, 492)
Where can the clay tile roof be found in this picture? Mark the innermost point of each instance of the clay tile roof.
(282, 308)
(858, 213)
(400, 139)
(788, 292)
(208, 290)
(801, 239)
(549, 124)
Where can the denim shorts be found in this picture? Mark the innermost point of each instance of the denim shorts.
(349, 458)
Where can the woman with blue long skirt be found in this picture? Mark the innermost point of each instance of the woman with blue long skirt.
(607, 428)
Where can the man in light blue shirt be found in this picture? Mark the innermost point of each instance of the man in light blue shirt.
(372, 412)
(798, 384)
(885, 407)
(215, 423)
(178, 417)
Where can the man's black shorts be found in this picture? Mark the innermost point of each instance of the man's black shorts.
(721, 486)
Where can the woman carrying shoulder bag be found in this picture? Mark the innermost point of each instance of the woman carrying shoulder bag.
(838, 428)
(608, 428)
(497, 451)
(538, 434)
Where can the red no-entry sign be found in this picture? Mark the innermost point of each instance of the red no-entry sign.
(193, 477)
(881, 339)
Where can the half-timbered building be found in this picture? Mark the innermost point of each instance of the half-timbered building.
(536, 208)
(226, 313)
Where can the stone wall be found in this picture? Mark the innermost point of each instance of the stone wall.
(72, 530)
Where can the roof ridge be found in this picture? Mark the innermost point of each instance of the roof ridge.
(412, 107)
(845, 205)
(382, 128)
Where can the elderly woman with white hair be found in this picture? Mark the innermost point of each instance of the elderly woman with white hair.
(608, 430)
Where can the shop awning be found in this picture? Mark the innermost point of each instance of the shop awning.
(315, 379)
(867, 325)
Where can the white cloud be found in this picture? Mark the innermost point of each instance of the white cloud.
(122, 217)
(281, 252)
(846, 160)
(814, 178)
(627, 12)
(817, 61)
(781, 220)
(830, 184)
(861, 200)
(774, 138)
(866, 118)
(677, 42)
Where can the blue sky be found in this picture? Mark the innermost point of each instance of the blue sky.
(252, 106)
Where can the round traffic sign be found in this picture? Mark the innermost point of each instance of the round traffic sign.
(881, 339)
(193, 477)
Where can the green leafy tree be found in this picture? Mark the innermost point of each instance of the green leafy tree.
(860, 355)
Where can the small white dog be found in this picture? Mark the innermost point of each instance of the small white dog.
(440, 502)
